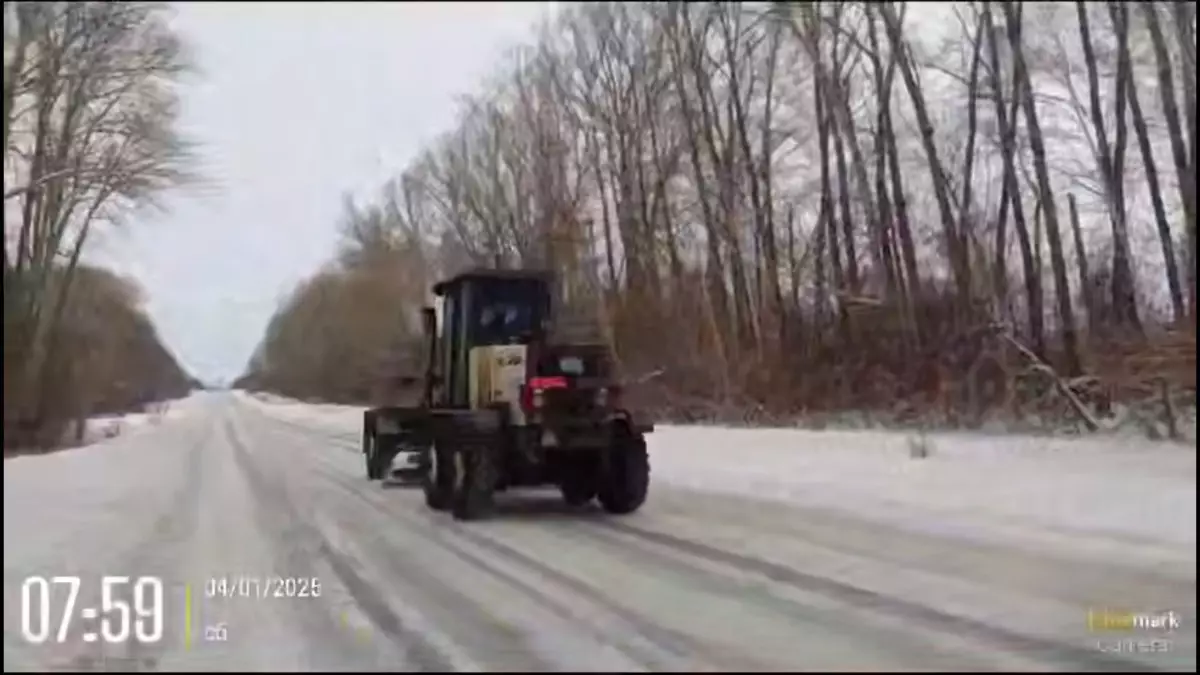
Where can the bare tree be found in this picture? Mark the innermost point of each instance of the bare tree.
(1007, 123)
(1184, 169)
(89, 134)
(1141, 129)
(1111, 159)
(954, 242)
(730, 172)
(1046, 193)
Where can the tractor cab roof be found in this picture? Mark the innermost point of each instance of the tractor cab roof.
(484, 275)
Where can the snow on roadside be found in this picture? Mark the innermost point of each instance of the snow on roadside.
(102, 427)
(1100, 494)
(336, 417)
(59, 504)
(130, 475)
(1096, 493)
(85, 510)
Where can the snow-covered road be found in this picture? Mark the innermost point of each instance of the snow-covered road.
(758, 550)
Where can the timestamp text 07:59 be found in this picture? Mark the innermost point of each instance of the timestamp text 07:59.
(128, 608)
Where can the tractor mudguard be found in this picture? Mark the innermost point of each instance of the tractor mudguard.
(636, 426)
(390, 431)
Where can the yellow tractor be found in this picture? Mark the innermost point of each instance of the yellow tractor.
(506, 404)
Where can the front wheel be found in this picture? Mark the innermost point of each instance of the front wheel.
(627, 480)
(474, 482)
(439, 479)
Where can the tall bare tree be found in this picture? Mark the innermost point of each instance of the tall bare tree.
(89, 133)
(1046, 193)
(1184, 168)
(1145, 146)
(1111, 158)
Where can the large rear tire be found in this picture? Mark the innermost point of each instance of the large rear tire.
(627, 482)
(439, 479)
(474, 482)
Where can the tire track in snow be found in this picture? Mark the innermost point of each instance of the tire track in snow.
(1046, 651)
(658, 646)
(662, 647)
(1065, 655)
(151, 558)
(424, 655)
(630, 640)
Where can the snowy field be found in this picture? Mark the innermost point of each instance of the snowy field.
(1096, 495)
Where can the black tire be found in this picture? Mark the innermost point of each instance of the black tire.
(369, 448)
(438, 479)
(475, 482)
(627, 481)
(578, 484)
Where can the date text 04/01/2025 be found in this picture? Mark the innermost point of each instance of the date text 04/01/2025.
(262, 587)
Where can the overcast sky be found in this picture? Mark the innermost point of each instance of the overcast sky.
(296, 104)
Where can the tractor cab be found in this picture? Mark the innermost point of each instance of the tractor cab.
(485, 314)
(494, 346)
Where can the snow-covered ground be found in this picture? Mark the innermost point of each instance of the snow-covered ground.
(109, 426)
(1095, 494)
(120, 477)
(829, 550)
(103, 427)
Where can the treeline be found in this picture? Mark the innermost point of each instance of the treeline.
(89, 136)
(111, 359)
(801, 207)
(347, 333)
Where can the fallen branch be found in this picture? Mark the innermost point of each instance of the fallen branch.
(1041, 366)
(644, 378)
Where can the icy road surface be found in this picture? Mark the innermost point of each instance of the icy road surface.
(758, 550)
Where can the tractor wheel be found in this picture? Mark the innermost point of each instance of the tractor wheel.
(578, 484)
(439, 479)
(627, 480)
(474, 482)
(382, 452)
(370, 445)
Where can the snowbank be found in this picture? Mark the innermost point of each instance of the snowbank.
(103, 427)
(1084, 489)
(335, 417)
(1102, 493)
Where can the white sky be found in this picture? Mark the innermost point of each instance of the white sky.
(296, 104)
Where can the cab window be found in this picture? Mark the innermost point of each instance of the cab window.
(507, 313)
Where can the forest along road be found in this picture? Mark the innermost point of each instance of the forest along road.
(226, 500)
